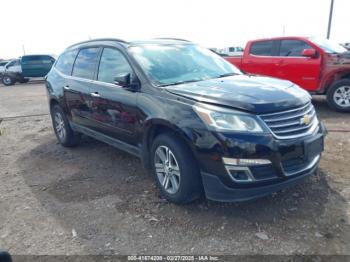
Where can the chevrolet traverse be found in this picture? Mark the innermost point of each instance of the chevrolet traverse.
(194, 119)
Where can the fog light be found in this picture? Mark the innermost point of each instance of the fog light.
(245, 162)
(239, 175)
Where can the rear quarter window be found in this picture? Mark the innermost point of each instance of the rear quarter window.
(65, 62)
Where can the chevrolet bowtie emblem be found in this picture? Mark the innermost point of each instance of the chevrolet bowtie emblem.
(305, 120)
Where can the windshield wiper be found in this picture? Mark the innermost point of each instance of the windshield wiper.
(181, 82)
(227, 74)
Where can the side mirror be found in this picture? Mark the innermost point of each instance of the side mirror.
(123, 80)
(127, 81)
(310, 52)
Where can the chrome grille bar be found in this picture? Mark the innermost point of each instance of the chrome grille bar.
(290, 123)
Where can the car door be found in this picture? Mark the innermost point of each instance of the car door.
(113, 107)
(77, 88)
(45, 65)
(31, 65)
(303, 71)
(261, 59)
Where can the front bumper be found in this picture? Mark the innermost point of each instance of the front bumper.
(217, 191)
(289, 165)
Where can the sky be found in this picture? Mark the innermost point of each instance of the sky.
(49, 26)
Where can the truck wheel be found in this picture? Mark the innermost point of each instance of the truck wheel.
(64, 133)
(8, 80)
(175, 170)
(338, 96)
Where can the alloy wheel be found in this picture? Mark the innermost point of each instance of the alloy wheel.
(167, 169)
(341, 96)
(60, 126)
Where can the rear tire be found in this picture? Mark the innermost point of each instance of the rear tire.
(338, 96)
(176, 173)
(8, 80)
(64, 133)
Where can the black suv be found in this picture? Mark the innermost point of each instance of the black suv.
(194, 119)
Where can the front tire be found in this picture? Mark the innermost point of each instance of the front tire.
(64, 133)
(8, 80)
(338, 96)
(175, 169)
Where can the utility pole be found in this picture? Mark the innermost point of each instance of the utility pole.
(23, 49)
(330, 20)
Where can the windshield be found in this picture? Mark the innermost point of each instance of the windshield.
(328, 46)
(175, 64)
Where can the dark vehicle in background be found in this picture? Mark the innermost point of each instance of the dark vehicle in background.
(28, 66)
(193, 118)
(317, 65)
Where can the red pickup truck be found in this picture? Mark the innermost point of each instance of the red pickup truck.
(317, 65)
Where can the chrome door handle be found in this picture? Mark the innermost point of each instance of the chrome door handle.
(95, 94)
(66, 87)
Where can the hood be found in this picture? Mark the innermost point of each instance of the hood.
(255, 94)
(344, 58)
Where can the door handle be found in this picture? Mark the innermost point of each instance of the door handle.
(66, 87)
(95, 94)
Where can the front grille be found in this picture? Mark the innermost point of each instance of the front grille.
(263, 172)
(294, 164)
(289, 124)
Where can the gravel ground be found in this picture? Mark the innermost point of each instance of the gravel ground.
(95, 199)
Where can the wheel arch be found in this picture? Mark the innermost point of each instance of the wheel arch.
(53, 102)
(333, 78)
(155, 127)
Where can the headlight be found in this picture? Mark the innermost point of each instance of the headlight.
(227, 121)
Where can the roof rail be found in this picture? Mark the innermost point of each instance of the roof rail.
(172, 38)
(99, 39)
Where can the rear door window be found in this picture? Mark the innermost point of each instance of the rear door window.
(65, 62)
(262, 48)
(85, 63)
(293, 47)
(112, 64)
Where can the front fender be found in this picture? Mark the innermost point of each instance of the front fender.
(154, 126)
